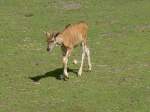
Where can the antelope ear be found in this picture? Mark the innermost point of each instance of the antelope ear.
(57, 33)
(47, 34)
(44, 32)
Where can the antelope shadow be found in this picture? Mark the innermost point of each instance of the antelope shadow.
(54, 73)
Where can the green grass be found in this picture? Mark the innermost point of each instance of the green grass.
(119, 40)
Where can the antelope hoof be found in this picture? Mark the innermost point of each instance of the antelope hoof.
(90, 68)
(66, 78)
(79, 73)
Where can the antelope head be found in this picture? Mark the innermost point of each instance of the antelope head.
(53, 39)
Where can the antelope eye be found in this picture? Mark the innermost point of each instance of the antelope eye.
(51, 41)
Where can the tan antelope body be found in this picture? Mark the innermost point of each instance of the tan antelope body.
(71, 36)
(74, 34)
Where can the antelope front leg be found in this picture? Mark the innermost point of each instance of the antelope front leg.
(65, 61)
(82, 60)
(89, 58)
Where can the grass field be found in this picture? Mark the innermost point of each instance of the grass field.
(119, 40)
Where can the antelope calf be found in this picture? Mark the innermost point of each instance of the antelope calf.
(71, 36)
